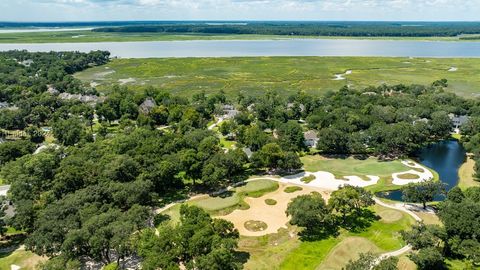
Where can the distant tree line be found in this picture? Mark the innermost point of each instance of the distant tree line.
(360, 29)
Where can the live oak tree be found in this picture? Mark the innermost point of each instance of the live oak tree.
(197, 242)
(68, 131)
(273, 157)
(349, 201)
(423, 236)
(422, 192)
(372, 262)
(428, 258)
(312, 213)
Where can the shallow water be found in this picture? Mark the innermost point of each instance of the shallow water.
(293, 47)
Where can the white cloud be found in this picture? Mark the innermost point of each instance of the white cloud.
(240, 9)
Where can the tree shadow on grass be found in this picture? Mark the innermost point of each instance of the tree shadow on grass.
(360, 220)
(242, 256)
(319, 233)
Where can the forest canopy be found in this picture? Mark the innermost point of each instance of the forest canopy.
(358, 29)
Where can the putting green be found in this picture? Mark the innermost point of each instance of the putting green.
(341, 167)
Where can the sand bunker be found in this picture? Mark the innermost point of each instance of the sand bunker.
(272, 215)
(424, 175)
(328, 181)
(453, 69)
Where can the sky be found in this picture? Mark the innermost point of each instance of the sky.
(111, 10)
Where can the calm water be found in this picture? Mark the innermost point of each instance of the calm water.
(444, 157)
(32, 30)
(294, 47)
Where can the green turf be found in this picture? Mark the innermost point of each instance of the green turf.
(341, 167)
(287, 75)
(292, 189)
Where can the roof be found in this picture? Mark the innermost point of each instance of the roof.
(310, 135)
(147, 105)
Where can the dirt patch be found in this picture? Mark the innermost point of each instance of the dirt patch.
(273, 215)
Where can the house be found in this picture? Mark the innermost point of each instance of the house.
(82, 98)
(291, 106)
(52, 91)
(229, 112)
(26, 63)
(311, 138)
(421, 120)
(147, 106)
(458, 121)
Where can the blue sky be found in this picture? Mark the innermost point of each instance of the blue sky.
(87, 10)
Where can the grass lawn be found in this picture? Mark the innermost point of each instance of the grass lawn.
(226, 143)
(465, 174)
(25, 259)
(255, 75)
(350, 166)
(404, 263)
(408, 176)
(346, 250)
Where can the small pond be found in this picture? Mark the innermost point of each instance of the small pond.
(444, 157)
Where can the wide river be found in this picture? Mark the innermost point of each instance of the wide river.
(293, 47)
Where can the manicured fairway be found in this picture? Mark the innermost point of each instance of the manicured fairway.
(466, 175)
(227, 202)
(287, 75)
